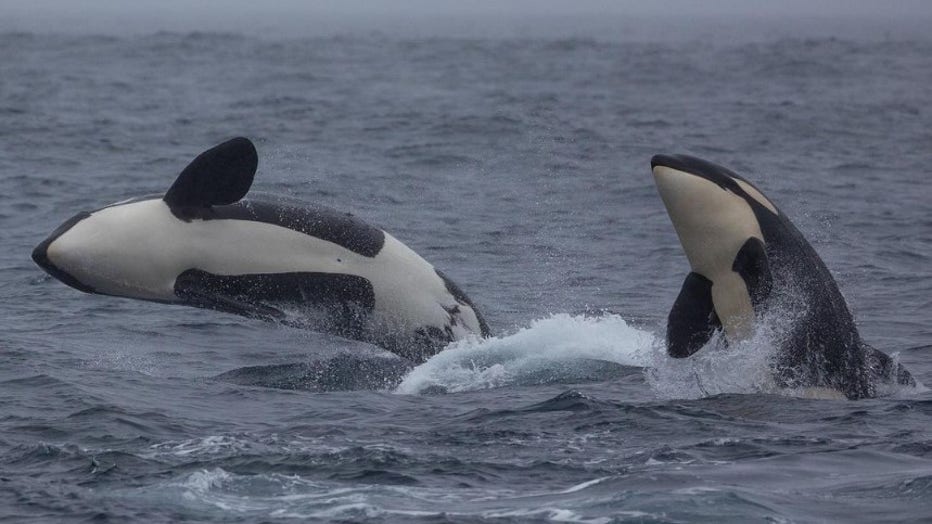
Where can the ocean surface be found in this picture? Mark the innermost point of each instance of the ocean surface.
(518, 164)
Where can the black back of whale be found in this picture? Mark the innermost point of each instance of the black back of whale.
(823, 348)
(340, 228)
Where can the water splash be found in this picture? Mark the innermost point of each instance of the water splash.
(717, 368)
(743, 367)
(560, 347)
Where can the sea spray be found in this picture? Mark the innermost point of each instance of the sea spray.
(559, 344)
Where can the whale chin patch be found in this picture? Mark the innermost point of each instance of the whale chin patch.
(40, 255)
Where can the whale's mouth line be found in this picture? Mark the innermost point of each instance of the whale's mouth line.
(40, 255)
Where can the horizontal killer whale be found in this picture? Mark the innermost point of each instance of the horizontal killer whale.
(203, 244)
(745, 256)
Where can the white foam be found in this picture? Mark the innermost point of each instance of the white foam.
(696, 490)
(584, 485)
(547, 513)
(205, 480)
(549, 343)
(212, 446)
(209, 445)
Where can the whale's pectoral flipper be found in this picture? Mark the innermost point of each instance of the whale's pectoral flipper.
(752, 264)
(219, 176)
(200, 289)
(344, 299)
(692, 319)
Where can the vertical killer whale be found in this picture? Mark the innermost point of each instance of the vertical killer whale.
(203, 245)
(745, 256)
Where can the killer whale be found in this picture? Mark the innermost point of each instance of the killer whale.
(204, 244)
(745, 257)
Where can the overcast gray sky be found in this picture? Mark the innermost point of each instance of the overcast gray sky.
(820, 7)
(296, 17)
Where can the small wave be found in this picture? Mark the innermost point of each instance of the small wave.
(549, 513)
(273, 495)
(584, 485)
(288, 496)
(560, 348)
(212, 447)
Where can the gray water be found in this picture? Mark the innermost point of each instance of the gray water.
(518, 165)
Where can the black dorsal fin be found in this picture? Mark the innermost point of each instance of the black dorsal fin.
(219, 176)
